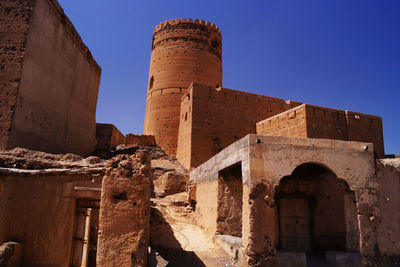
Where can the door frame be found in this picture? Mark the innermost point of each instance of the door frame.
(312, 204)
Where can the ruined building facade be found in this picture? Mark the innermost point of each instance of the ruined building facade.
(273, 182)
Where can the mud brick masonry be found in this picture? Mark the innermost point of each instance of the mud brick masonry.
(274, 182)
(193, 117)
(183, 51)
(49, 80)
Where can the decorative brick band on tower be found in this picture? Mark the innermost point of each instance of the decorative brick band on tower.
(183, 51)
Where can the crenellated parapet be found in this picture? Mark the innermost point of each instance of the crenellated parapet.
(183, 51)
(173, 22)
(190, 33)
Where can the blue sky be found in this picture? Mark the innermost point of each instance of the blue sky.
(334, 53)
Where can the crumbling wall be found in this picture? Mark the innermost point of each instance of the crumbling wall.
(388, 210)
(230, 194)
(218, 118)
(14, 28)
(125, 211)
(57, 86)
(140, 140)
(10, 254)
(183, 51)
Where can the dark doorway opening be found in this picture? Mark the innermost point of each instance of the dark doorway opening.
(86, 226)
(311, 210)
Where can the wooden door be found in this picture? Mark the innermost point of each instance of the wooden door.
(295, 224)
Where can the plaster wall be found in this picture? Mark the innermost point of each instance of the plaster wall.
(59, 82)
(207, 205)
(267, 160)
(218, 118)
(39, 210)
(183, 51)
(206, 179)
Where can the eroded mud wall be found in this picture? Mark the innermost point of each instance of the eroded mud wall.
(125, 212)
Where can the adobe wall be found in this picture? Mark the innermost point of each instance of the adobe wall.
(218, 117)
(14, 28)
(272, 158)
(183, 51)
(207, 206)
(124, 228)
(320, 122)
(59, 83)
(205, 177)
(387, 191)
(38, 208)
(266, 160)
(366, 128)
(185, 137)
(108, 137)
(140, 140)
(291, 123)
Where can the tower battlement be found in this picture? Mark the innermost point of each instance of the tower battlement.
(183, 51)
(173, 22)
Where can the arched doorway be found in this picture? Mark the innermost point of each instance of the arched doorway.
(311, 209)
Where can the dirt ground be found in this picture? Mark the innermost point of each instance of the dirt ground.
(176, 241)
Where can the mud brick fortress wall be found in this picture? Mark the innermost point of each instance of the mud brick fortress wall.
(193, 118)
(183, 51)
(213, 118)
(311, 121)
(49, 80)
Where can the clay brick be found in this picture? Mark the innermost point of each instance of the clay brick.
(124, 222)
(49, 80)
(321, 122)
(140, 140)
(108, 137)
(218, 118)
(182, 52)
(14, 27)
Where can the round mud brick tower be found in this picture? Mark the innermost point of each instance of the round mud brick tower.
(183, 51)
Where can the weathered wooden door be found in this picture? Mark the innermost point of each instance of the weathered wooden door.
(295, 224)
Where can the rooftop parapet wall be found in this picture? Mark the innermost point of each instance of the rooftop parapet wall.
(201, 32)
(311, 121)
(212, 119)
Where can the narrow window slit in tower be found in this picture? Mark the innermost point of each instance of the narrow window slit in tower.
(151, 83)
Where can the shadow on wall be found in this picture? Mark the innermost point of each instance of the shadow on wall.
(163, 242)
